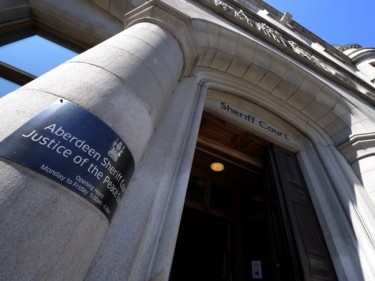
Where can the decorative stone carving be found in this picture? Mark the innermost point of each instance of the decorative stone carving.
(254, 23)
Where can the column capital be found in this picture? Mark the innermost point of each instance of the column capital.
(358, 146)
(359, 150)
(175, 22)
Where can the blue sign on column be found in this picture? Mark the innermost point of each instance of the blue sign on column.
(76, 149)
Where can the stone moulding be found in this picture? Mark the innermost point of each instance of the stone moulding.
(175, 22)
(358, 147)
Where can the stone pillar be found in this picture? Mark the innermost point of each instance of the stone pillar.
(140, 243)
(47, 231)
(344, 214)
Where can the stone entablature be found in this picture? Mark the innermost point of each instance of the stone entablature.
(297, 49)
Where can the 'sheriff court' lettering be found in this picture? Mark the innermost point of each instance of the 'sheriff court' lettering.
(253, 120)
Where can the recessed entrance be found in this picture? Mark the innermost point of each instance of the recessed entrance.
(225, 231)
(233, 226)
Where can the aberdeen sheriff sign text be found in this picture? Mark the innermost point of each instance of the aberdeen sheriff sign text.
(76, 149)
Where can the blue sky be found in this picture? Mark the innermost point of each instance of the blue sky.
(337, 22)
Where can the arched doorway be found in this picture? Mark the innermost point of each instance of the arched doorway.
(241, 223)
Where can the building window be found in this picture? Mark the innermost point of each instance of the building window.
(35, 55)
(29, 52)
(7, 86)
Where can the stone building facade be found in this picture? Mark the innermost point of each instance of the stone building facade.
(230, 80)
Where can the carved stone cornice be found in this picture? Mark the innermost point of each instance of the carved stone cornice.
(298, 50)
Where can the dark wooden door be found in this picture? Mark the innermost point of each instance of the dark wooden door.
(301, 236)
